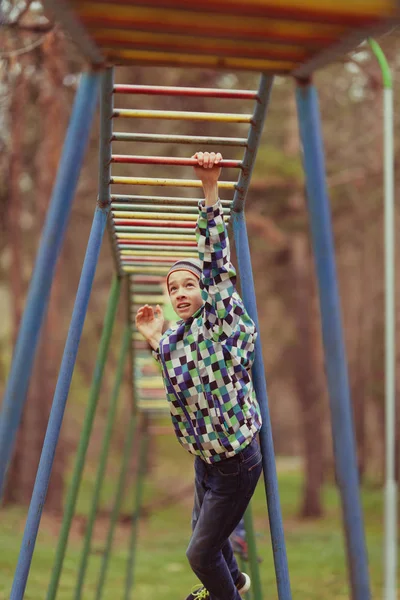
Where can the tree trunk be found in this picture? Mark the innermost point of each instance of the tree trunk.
(307, 372)
(17, 287)
(51, 101)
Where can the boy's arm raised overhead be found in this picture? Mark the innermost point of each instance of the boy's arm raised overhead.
(224, 312)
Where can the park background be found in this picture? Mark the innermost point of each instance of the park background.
(39, 73)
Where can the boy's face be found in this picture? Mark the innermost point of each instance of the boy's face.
(184, 291)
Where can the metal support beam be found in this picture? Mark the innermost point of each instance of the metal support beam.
(256, 128)
(336, 366)
(256, 590)
(126, 457)
(59, 403)
(73, 489)
(101, 469)
(390, 557)
(266, 441)
(42, 278)
(141, 472)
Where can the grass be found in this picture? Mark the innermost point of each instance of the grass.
(315, 548)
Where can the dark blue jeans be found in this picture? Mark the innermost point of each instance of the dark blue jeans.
(222, 493)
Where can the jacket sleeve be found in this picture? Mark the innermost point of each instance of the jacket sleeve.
(224, 313)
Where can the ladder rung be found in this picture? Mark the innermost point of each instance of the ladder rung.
(146, 288)
(153, 249)
(230, 185)
(151, 208)
(174, 253)
(136, 218)
(182, 115)
(170, 236)
(201, 140)
(147, 279)
(168, 160)
(146, 299)
(151, 218)
(161, 199)
(148, 259)
(144, 269)
(158, 90)
(152, 405)
(155, 243)
(141, 260)
(141, 225)
(172, 232)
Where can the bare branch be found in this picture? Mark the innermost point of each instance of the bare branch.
(35, 28)
(24, 10)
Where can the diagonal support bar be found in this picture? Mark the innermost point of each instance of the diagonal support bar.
(256, 129)
(336, 367)
(49, 250)
(127, 452)
(249, 298)
(85, 437)
(101, 469)
(142, 464)
(59, 403)
(252, 552)
(260, 386)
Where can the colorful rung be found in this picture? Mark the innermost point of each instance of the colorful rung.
(148, 383)
(150, 232)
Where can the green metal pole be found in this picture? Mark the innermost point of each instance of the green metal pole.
(85, 437)
(126, 338)
(117, 504)
(242, 567)
(252, 552)
(136, 511)
(390, 558)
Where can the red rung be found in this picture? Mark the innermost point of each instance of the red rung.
(155, 223)
(163, 243)
(168, 160)
(158, 90)
(154, 259)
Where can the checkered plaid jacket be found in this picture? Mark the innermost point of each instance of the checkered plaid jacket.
(207, 359)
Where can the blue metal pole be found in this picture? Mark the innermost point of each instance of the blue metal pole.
(336, 367)
(253, 141)
(260, 386)
(59, 402)
(249, 298)
(50, 246)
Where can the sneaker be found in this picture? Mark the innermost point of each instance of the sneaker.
(199, 592)
(243, 584)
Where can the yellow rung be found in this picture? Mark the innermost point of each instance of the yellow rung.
(159, 253)
(148, 383)
(180, 237)
(194, 183)
(147, 299)
(184, 115)
(144, 405)
(137, 337)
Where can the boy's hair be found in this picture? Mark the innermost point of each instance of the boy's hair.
(193, 265)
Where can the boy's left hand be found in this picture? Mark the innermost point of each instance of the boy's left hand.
(208, 170)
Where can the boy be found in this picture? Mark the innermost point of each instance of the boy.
(206, 362)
